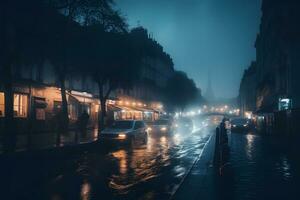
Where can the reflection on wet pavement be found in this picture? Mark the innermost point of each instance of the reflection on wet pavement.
(148, 171)
(264, 168)
(165, 157)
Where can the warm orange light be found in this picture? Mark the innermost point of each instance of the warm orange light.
(97, 106)
(122, 136)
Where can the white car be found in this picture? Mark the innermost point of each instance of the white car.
(126, 131)
(184, 125)
(160, 126)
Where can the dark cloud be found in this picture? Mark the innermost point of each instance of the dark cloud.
(202, 36)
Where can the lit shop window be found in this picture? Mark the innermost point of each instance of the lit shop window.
(73, 113)
(2, 108)
(20, 105)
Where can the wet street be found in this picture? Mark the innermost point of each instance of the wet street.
(151, 171)
(263, 166)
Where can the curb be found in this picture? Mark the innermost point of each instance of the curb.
(191, 168)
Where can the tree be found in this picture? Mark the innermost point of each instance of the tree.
(77, 13)
(61, 55)
(181, 91)
(108, 57)
(112, 63)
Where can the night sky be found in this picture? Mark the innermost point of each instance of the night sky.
(202, 36)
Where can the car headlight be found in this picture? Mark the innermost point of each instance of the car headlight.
(163, 129)
(122, 136)
(233, 125)
(245, 125)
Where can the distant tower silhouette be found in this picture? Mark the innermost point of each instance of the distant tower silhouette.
(209, 93)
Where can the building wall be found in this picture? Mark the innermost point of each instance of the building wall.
(277, 68)
(39, 83)
(278, 53)
(36, 85)
(156, 68)
(247, 93)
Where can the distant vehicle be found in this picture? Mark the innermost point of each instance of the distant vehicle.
(128, 131)
(184, 125)
(240, 124)
(161, 126)
(227, 123)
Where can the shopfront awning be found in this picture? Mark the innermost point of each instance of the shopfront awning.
(131, 109)
(81, 99)
(149, 110)
(116, 108)
(141, 109)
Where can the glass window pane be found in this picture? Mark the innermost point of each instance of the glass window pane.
(16, 104)
(24, 105)
(20, 105)
(73, 114)
(2, 104)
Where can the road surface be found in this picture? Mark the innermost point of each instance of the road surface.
(151, 171)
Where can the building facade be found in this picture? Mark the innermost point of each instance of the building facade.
(247, 92)
(277, 46)
(38, 101)
(277, 89)
(156, 68)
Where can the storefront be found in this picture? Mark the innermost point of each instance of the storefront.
(130, 113)
(42, 104)
(80, 102)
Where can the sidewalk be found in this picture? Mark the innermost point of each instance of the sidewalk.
(41, 141)
(200, 182)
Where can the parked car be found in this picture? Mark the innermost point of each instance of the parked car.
(184, 125)
(128, 131)
(240, 124)
(160, 126)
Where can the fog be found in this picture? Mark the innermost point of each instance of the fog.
(202, 36)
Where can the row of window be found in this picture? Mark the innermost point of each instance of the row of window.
(21, 108)
(20, 105)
